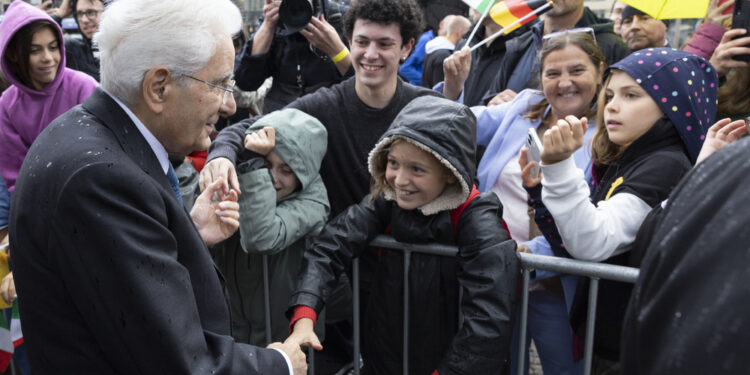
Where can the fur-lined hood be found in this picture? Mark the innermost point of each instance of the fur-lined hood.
(443, 128)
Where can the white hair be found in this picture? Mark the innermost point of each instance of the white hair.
(137, 35)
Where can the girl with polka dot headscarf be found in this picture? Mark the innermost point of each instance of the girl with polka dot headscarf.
(652, 117)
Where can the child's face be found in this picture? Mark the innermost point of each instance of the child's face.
(44, 58)
(284, 180)
(630, 111)
(416, 176)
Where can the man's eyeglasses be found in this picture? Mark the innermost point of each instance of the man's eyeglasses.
(91, 14)
(227, 91)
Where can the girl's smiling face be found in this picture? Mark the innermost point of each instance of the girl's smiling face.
(416, 176)
(44, 58)
(630, 111)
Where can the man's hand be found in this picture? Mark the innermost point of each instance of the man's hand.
(261, 141)
(303, 335)
(721, 134)
(723, 56)
(216, 219)
(8, 289)
(505, 96)
(456, 69)
(562, 139)
(264, 36)
(271, 14)
(714, 12)
(219, 168)
(323, 36)
(295, 354)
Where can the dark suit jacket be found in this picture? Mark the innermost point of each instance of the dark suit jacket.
(111, 274)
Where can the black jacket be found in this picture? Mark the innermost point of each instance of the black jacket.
(486, 62)
(688, 313)
(650, 168)
(486, 269)
(113, 275)
(81, 55)
(432, 68)
(611, 45)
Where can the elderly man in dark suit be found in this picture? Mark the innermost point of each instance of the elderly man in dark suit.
(113, 275)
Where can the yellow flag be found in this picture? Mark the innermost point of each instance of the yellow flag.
(4, 270)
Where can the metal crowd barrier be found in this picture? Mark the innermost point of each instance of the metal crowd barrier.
(593, 270)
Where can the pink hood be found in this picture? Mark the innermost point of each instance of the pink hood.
(18, 15)
(25, 112)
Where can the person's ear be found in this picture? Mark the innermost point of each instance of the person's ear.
(156, 87)
(406, 49)
(450, 179)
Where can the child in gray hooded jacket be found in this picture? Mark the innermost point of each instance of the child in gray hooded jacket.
(283, 198)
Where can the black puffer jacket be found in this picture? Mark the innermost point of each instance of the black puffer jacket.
(486, 268)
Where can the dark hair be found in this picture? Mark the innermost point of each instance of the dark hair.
(404, 13)
(19, 49)
(582, 40)
(734, 97)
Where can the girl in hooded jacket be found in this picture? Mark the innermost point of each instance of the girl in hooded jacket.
(283, 200)
(422, 171)
(652, 118)
(33, 60)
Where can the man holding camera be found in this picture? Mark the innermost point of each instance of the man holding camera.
(300, 44)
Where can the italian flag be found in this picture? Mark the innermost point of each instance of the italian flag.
(10, 337)
(15, 326)
(6, 344)
(479, 5)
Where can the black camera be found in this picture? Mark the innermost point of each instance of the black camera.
(296, 14)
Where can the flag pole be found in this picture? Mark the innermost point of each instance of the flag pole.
(537, 11)
(476, 27)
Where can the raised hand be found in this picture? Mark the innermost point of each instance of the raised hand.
(262, 141)
(563, 138)
(216, 212)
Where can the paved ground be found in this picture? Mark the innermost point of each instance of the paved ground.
(535, 367)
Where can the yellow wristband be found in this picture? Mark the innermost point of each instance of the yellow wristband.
(340, 56)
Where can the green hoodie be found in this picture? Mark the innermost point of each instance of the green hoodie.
(275, 229)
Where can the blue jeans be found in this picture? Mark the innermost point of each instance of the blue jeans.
(548, 325)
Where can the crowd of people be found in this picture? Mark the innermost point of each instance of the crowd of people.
(178, 196)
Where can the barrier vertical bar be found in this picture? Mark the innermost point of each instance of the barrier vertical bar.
(311, 361)
(524, 321)
(460, 313)
(266, 299)
(407, 265)
(355, 312)
(590, 322)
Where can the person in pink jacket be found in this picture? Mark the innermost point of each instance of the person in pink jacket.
(32, 57)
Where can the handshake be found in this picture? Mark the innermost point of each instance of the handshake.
(302, 335)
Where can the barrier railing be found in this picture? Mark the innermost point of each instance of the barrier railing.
(593, 270)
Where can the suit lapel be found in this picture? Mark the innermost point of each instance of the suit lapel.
(112, 116)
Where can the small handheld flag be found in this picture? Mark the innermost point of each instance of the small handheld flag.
(515, 24)
(505, 13)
